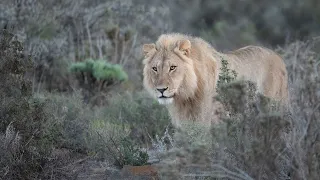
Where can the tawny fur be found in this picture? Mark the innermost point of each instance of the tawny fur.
(192, 83)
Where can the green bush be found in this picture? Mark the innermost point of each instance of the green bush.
(127, 152)
(101, 70)
(226, 75)
(131, 155)
(106, 71)
(96, 76)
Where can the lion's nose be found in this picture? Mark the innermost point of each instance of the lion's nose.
(161, 90)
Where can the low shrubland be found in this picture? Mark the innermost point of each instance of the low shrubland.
(23, 150)
(35, 126)
(256, 139)
(52, 104)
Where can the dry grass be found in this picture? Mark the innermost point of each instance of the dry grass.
(255, 142)
(258, 140)
(303, 64)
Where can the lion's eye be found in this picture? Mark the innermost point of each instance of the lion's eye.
(154, 68)
(172, 68)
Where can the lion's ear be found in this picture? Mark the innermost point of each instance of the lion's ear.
(185, 47)
(147, 48)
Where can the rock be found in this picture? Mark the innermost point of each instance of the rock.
(146, 172)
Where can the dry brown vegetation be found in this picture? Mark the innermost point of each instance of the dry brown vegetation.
(54, 127)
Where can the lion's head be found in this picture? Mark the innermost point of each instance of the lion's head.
(169, 70)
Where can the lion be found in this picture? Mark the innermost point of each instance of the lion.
(182, 71)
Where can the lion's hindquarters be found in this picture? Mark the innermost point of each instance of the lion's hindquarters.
(263, 67)
(276, 80)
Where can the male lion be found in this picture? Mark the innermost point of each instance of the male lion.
(181, 72)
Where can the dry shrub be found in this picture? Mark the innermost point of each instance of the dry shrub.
(256, 138)
(248, 143)
(252, 138)
(303, 64)
(22, 152)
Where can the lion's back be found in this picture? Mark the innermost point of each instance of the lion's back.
(264, 67)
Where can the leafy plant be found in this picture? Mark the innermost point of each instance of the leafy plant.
(226, 75)
(103, 70)
(100, 70)
(121, 149)
(130, 154)
(95, 76)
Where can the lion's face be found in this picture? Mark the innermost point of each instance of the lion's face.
(168, 73)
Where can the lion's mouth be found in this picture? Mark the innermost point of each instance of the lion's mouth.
(164, 97)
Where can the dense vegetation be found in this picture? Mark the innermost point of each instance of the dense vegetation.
(72, 101)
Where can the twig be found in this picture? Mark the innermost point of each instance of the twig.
(130, 50)
(109, 149)
(89, 38)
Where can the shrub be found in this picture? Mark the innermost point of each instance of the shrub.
(21, 119)
(248, 143)
(112, 142)
(79, 129)
(253, 131)
(259, 140)
(95, 76)
(145, 117)
(226, 76)
(69, 120)
(302, 60)
(130, 154)
(99, 70)
(118, 132)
